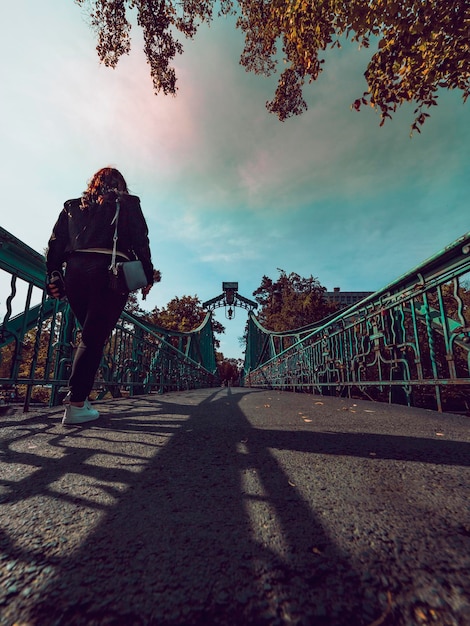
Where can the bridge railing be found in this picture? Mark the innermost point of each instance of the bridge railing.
(38, 337)
(408, 343)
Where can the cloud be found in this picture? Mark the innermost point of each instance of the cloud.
(216, 240)
(229, 192)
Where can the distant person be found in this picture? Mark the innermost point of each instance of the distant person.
(78, 259)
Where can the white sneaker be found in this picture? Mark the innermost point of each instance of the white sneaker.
(79, 414)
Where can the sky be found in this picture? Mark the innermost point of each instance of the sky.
(229, 192)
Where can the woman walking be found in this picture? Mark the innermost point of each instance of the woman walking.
(78, 259)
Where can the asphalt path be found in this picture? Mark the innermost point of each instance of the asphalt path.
(236, 507)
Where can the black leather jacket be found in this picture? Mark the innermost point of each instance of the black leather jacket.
(79, 229)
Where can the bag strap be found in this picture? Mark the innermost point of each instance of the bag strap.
(115, 236)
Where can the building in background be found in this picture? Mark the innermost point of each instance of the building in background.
(346, 298)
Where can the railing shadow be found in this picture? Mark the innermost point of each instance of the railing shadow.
(396, 447)
(171, 513)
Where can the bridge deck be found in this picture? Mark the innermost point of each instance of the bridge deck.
(236, 507)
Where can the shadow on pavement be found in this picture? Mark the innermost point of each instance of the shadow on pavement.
(197, 523)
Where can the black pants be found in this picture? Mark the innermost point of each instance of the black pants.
(97, 309)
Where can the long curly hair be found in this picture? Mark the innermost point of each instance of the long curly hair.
(106, 184)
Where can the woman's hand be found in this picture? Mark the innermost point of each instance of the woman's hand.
(157, 276)
(145, 291)
(55, 286)
(53, 291)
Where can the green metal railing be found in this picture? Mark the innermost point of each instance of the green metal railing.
(38, 335)
(408, 343)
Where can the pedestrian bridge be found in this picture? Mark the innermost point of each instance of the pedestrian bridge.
(236, 506)
(408, 343)
(330, 489)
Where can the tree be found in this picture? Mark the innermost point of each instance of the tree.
(183, 315)
(291, 302)
(21, 351)
(418, 46)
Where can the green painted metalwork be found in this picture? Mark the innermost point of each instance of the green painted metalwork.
(407, 343)
(21, 261)
(230, 298)
(38, 336)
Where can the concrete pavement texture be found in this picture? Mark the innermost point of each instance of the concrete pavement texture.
(236, 507)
